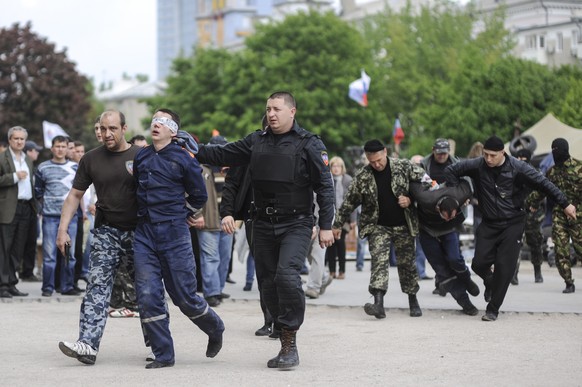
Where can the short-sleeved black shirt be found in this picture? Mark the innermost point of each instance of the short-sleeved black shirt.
(112, 175)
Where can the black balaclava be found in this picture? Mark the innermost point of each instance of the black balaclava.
(560, 151)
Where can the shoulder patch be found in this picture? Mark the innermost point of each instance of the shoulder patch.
(129, 166)
(325, 158)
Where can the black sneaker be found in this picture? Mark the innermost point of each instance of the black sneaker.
(223, 296)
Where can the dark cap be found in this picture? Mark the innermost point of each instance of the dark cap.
(218, 140)
(441, 145)
(494, 143)
(374, 146)
(29, 145)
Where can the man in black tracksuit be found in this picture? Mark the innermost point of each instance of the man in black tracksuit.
(499, 186)
(287, 165)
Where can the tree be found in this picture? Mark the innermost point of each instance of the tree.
(314, 56)
(38, 83)
(429, 61)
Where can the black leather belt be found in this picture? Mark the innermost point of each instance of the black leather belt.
(281, 218)
(24, 201)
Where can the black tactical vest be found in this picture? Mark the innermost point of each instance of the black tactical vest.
(281, 184)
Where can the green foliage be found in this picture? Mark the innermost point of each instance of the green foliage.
(434, 68)
(38, 83)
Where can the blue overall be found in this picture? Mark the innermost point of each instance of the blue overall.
(162, 244)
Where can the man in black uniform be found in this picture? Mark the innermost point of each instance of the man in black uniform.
(500, 182)
(287, 164)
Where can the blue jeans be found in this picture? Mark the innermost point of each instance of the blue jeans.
(250, 269)
(420, 259)
(50, 225)
(215, 253)
(360, 251)
(446, 248)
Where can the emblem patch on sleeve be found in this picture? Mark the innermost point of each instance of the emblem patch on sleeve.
(325, 158)
(129, 166)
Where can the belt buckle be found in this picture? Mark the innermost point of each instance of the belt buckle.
(270, 211)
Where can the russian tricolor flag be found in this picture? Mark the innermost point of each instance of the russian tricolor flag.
(397, 133)
(359, 89)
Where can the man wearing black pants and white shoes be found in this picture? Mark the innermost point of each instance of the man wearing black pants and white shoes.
(499, 182)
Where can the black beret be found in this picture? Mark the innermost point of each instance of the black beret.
(494, 143)
(373, 146)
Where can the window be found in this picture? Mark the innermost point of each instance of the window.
(575, 37)
(560, 39)
(542, 41)
(530, 41)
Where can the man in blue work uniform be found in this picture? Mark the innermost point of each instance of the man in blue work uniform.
(287, 164)
(164, 173)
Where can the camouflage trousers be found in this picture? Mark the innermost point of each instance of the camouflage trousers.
(123, 294)
(533, 237)
(379, 242)
(562, 231)
(110, 247)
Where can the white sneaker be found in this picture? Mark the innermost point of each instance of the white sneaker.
(151, 356)
(311, 293)
(79, 350)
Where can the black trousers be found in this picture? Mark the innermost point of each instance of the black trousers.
(12, 240)
(499, 244)
(29, 255)
(280, 250)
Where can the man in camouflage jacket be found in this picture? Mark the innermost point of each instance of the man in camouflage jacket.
(567, 176)
(381, 188)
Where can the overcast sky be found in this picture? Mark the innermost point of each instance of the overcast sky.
(105, 38)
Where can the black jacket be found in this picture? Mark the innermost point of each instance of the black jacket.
(502, 199)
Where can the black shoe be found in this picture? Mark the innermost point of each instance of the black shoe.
(426, 277)
(16, 293)
(213, 301)
(159, 364)
(248, 287)
(223, 296)
(72, 292)
(489, 316)
(214, 346)
(469, 308)
(265, 330)
(4, 293)
(472, 288)
(230, 280)
(377, 308)
(514, 281)
(30, 278)
(47, 293)
(570, 288)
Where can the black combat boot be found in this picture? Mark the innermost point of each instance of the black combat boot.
(538, 274)
(414, 307)
(377, 308)
(288, 356)
(570, 288)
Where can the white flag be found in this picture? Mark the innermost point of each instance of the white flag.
(50, 131)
